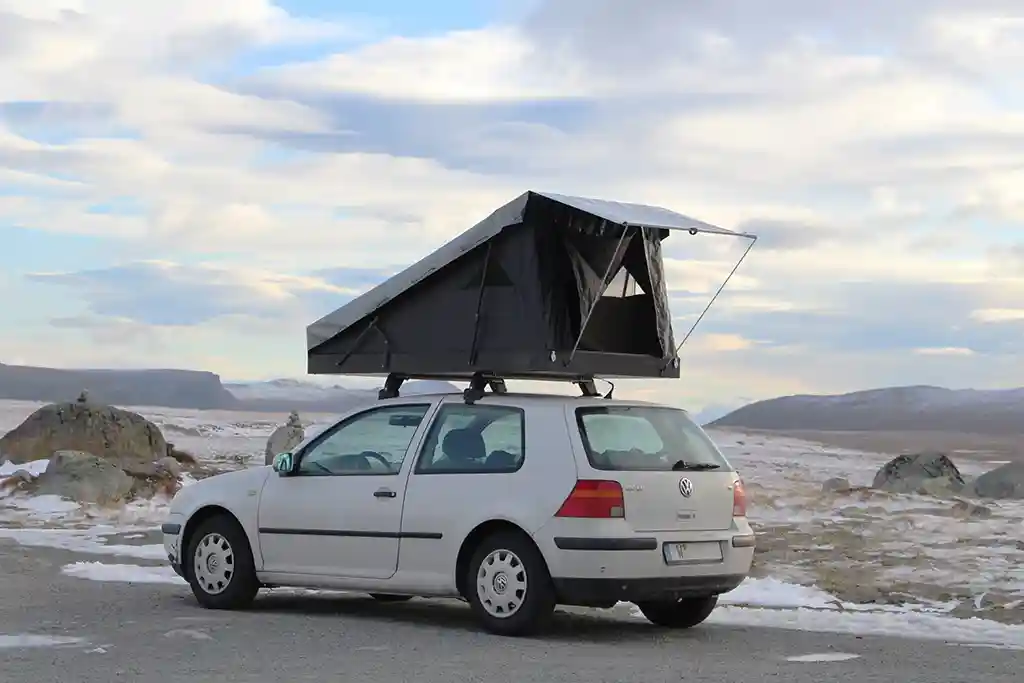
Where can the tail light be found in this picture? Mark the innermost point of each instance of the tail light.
(594, 499)
(739, 499)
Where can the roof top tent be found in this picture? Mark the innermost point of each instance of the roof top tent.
(546, 287)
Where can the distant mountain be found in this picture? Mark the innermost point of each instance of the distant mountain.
(169, 388)
(917, 408)
(293, 394)
(188, 389)
(711, 412)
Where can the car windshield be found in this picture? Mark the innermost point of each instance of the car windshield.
(626, 438)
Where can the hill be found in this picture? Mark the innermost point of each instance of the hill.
(291, 394)
(918, 408)
(188, 389)
(167, 388)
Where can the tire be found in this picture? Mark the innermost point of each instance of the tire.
(684, 613)
(228, 580)
(508, 585)
(388, 597)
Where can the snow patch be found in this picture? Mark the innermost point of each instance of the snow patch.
(122, 573)
(824, 657)
(82, 541)
(35, 468)
(779, 594)
(905, 624)
(20, 640)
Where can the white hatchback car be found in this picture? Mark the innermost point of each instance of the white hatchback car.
(513, 502)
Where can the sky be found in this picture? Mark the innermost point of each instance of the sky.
(189, 183)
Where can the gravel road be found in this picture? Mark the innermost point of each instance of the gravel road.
(156, 634)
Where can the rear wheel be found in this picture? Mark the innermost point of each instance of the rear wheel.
(220, 567)
(508, 585)
(388, 597)
(683, 613)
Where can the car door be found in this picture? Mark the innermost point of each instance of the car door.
(340, 513)
(464, 474)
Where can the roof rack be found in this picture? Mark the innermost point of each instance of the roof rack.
(479, 382)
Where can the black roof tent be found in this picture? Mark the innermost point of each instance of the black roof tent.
(546, 287)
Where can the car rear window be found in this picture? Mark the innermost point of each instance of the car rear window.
(642, 438)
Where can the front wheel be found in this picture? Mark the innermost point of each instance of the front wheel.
(683, 613)
(221, 570)
(508, 585)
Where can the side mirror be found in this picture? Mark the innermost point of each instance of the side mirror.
(284, 463)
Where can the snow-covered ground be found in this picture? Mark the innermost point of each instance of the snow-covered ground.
(870, 546)
(862, 562)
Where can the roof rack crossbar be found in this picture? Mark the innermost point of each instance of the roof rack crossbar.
(481, 381)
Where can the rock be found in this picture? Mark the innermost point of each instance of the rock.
(170, 465)
(182, 457)
(162, 477)
(930, 473)
(110, 433)
(938, 487)
(836, 485)
(967, 510)
(84, 478)
(1004, 482)
(285, 438)
(17, 480)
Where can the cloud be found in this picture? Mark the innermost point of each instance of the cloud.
(169, 294)
(945, 351)
(250, 168)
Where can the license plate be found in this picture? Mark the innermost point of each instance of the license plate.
(693, 552)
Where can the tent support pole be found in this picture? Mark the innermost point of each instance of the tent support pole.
(359, 340)
(604, 285)
(480, 303)
(753, 241)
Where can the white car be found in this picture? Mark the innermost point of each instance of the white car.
(514, 502)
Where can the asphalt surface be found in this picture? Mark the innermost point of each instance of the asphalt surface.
(157, 634)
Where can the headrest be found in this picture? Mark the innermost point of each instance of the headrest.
(461, 445)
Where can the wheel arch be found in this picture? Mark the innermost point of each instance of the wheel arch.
(198, 517)
(476, 536)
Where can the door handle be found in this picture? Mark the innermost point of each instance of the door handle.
(384, 493)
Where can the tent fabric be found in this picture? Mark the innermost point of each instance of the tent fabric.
(523, 294)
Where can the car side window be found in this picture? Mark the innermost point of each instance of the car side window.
(373, 442)
(474, 439)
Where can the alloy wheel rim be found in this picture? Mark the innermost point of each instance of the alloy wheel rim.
(214, 563)
(501, 583)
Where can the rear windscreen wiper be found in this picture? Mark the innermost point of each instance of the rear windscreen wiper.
(683, 466)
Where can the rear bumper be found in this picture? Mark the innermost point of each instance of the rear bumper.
(609, 550)
(610, 591)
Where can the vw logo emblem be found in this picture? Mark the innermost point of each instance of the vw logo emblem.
(686, 487)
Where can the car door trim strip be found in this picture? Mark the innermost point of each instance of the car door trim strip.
(350, 533)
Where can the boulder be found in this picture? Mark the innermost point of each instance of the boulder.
(964, 509)
(151, 479)
(110, 433)
(930, 473)
(285, 438)
(1004, 482)
(85, 478)
(182, 457)
(16, 481)
(836, 485)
